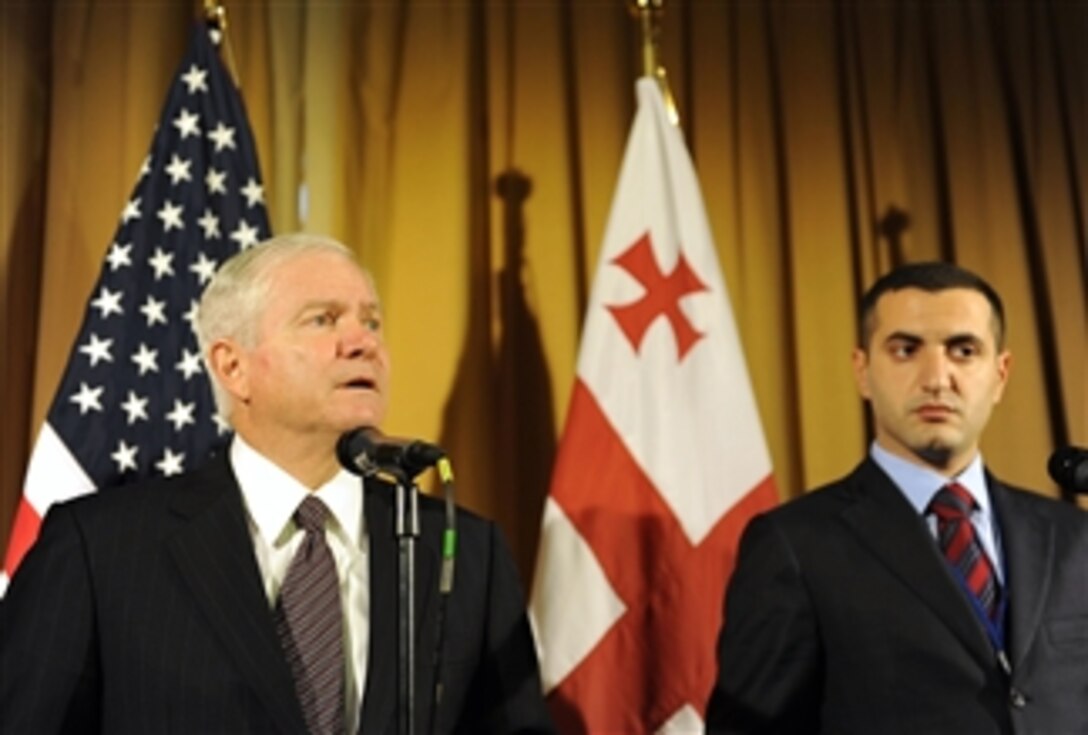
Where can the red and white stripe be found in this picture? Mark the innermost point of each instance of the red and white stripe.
(52, 476)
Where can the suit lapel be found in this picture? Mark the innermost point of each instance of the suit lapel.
(1028, 543)
(380, 699)
(891, 529)
(214, 554)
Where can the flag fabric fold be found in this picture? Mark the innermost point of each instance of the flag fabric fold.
(134, 399)
(661, 463)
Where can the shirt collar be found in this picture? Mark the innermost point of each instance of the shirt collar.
(919, 484)
(272, 495)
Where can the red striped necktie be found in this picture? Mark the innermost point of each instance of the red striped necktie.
(309, 621)
(956, 535)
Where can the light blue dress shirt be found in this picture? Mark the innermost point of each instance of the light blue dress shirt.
(919, 484)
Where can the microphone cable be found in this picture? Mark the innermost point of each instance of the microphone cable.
(445, 583)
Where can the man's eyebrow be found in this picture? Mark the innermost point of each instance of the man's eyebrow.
(325, 303)
(958, 338)
(961, 337)
(903, 337)
(317, 304)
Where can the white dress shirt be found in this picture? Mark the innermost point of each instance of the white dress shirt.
(271, 497)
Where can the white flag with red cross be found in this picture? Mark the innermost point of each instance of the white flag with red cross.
(661, 463)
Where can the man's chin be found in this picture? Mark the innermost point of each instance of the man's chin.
(358, 419)
(358, 409)
(937, 452)
(935, 456)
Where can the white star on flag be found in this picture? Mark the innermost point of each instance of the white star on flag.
(154, 310)
(181, 414)
(216, 181)
(171, 462)
(187, 123)
(88, 399)
(146, 359)
(170, 214)
(135, 408)
(131, 211)
(190, 313)
(162, 263)
(124, 456)
(97, 349)
(222, 136)
(204, 268)
(244, 235)
(196, 79)
(178, 170)
(209, 223)
(119, 256)
(253, 192)
(189, 364)
(108, 302)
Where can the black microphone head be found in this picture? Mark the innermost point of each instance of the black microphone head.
(1068, 467)
(366, 451)
(418, 456)
(355, 450)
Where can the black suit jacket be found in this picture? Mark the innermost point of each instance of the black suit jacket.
(141, 610)
(843, 617)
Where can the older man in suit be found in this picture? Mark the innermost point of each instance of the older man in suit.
(919, 594)
(183, 605)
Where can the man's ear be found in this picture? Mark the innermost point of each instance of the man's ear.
(230, 365)
(860, 360)
(1004, 367)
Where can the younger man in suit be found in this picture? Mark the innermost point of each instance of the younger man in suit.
(918, 594)
(157, 608)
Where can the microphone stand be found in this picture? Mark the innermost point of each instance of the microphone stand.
(363, 452)
(406, 529)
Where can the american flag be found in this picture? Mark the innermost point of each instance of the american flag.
(135, 399)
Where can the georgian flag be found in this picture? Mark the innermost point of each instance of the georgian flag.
(661, 463)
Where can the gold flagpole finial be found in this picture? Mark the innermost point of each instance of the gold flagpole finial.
(648, 13)
(215, 14)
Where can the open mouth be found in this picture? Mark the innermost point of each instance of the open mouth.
(360, 384)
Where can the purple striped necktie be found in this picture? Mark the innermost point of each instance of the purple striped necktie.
(956, 535)
(309, 621)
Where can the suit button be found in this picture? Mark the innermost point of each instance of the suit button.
(1017, 699)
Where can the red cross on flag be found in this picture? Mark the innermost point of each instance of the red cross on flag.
(661, 464)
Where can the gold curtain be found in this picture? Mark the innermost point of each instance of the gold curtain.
(468, 151)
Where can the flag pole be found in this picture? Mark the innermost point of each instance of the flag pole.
(215, 15)
(649, 13)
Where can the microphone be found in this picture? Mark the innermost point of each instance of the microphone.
(1068, 467)
(366, 451)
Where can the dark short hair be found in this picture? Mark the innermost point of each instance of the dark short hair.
(932, 277)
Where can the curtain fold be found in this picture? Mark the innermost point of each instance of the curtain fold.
(468, 151)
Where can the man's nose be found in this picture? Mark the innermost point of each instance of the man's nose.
(936, 371)
(358, 338)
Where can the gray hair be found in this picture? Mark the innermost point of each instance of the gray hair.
(231, 305)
